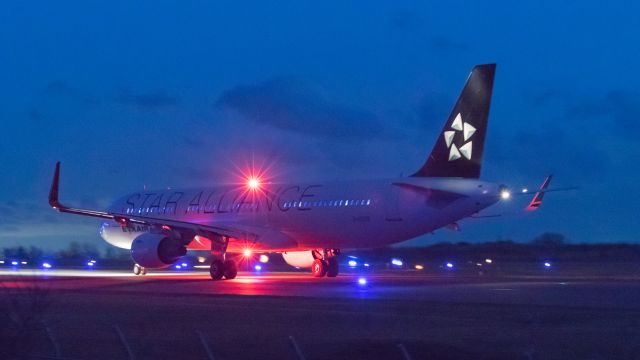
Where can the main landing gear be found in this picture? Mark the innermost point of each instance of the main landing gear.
(325, 263)
(219, 269)
(220, 266)
(139, 270)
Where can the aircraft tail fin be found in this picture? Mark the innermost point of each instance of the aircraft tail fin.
(458, 150)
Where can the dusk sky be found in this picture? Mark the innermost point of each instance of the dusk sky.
(163, 94)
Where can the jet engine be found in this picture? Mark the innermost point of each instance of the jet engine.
(303, 259)
(156, 251)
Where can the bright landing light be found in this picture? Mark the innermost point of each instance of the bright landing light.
(505, 194)
(362, 281)
(246, 253)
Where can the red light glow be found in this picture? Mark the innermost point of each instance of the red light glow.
(246, 252)
(253, 183)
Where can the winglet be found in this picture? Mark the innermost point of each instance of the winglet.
(55, 202)
(55, 184)
(537, 198)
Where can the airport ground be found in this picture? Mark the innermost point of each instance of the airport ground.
(396, 315)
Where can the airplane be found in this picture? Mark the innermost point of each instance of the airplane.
(310, 223)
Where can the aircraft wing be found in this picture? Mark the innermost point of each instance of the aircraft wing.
(252, 234)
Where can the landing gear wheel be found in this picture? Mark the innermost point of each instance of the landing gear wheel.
(332, 267)
(230, 269)
(216, 270)
(139, 270)
(319, 268)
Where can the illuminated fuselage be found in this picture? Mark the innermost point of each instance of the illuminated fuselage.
(287, 217)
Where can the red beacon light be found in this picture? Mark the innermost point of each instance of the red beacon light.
(253, 183)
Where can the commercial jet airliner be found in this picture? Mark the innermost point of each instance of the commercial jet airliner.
(309, 223)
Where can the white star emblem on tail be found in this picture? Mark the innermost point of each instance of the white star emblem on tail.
(456, 152)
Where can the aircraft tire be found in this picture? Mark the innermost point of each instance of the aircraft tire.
(216, 269)
(332, 267)
(319, 268)
(139, 270)
(230, 269)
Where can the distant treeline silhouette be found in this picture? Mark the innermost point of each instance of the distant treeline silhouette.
(547, 246)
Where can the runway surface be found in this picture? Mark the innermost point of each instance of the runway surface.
(552, 289)
(293, 316)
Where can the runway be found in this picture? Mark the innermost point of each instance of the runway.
(451, 316)
(552, 289)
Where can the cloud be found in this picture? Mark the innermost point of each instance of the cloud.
(615, 112)
(291, 105)
(432, 111)
(405, 20)
(621, 107)
(408, 23)
(448, 45)
(148, 101)
(59, 88)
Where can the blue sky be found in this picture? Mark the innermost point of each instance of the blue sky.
(158, 93)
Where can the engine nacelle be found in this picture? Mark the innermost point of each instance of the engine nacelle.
(156, 251)
(303, 259)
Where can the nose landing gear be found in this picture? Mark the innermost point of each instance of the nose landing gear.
(221, 267)
(139, 270)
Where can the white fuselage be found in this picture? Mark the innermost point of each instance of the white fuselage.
(289, 217)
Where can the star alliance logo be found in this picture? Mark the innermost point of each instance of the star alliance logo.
(467, 129)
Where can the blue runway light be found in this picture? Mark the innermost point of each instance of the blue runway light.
(91, 263)
(258, 267)
(366, 265)
(178, 267)
(184, 265)
(547, 264)
(46, 265)
(396, 262)
(353, 263)
(362, 281)
(449, 265)
(14, 263)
